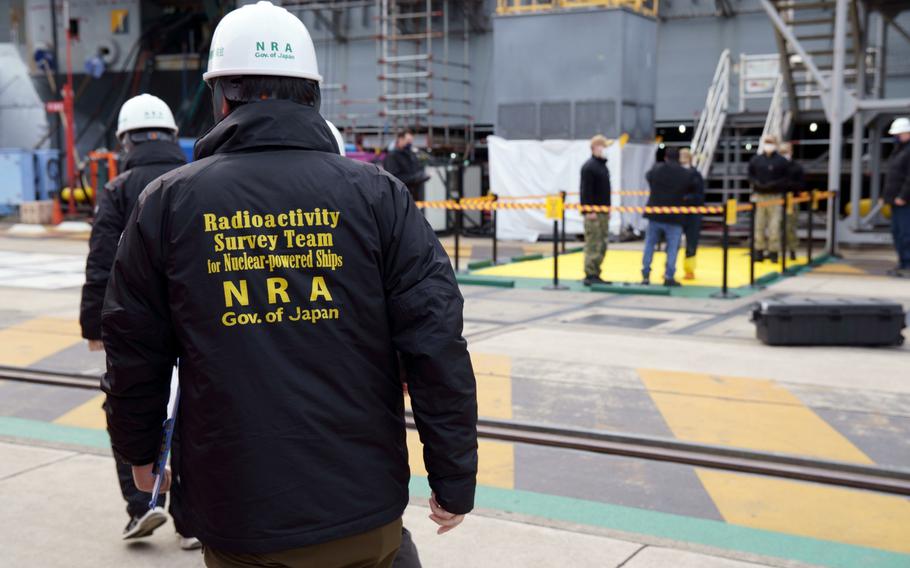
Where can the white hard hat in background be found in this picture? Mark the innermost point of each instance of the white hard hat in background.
(145, 111)
(338, 138)
(900, 126)
(262, 39)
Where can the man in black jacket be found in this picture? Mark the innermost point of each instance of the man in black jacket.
(402, 162)
(288, 280)
(769, 174)
(671, 186)
(897, 195)
(147, 134)
(595, 190)
(796, 184)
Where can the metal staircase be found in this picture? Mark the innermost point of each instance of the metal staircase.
(713, 117)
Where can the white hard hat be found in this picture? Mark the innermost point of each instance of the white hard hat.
(900, 126)
(262, 39)
(145, 111)
(338, 138)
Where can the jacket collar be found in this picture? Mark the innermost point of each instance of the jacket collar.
(269, 123)
(153, 152)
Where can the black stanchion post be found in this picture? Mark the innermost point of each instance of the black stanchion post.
(562, 196)
(784, 210)
(494, 212)
(752, 212)
(729, 219)
(833, 202)
(457, 237)
(813, 204)
(555, 211)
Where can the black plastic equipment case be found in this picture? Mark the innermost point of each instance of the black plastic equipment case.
(799, 321)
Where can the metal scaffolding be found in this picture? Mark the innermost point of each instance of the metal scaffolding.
(424, 62)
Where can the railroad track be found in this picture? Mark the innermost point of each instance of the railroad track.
(841, 474)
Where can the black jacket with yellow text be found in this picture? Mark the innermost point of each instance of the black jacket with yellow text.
(288, 280)
(143, 164)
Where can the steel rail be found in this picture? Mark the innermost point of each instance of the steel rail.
(840, 474)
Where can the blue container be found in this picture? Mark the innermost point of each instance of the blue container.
(17, 170)
(47, 173)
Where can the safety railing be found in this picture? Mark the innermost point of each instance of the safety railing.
(712, 119)
(509, 7)
(555, 206)
(777, 121)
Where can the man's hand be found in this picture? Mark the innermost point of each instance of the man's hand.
(446, 520)
(145, 479)
(591, 216)
(95, 345)
(899, 201)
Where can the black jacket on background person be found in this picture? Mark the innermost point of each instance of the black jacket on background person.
(671, 186)
(404, 165)
(288, 279)
(769, 174)
(796, 176)
(144, 163)
(897, 180)
(595, 182)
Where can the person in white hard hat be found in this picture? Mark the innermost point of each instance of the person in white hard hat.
(897, 194)
(296, 287)
(147, 134)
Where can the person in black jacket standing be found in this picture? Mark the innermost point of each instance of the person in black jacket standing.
(897, 195)
(691, 222)
(402, 162)
(595, 190)
(796, 178)
(147, 133)
(671, 186)
(288, 280)
(769, 174)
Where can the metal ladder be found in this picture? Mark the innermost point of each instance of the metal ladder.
(712, 119)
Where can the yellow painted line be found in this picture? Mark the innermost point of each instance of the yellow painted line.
(87, 415)
(830, 513)
(762, 415)
(496, 460)
(746, 413)
(28, 342)
(839, 269)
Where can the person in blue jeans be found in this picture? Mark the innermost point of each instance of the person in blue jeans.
(672, 185)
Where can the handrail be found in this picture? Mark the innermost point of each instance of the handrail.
(508, 7)
(712, 119)
(777, 119)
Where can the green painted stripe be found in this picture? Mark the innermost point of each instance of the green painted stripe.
(476, 280)
(631, 289)
(679, 528)
(526, 257)
(50, 432)
(479, 264)
(567, 509)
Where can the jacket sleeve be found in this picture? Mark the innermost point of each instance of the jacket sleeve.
(138, 337)
(109, 222)
(586, 187)
(425, 313)
(904, 192)
(753, 179)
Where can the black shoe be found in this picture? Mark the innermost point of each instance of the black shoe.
(773, 257)
(899, 272)
(589, 280)
(670, 283)
(793, 255)
(142, 526)
(645, 281)
(758, 256)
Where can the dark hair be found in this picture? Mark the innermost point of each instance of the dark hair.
(671, 155)
(402, 133)
(239, 90)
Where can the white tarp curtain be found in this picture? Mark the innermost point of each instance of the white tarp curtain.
(534, 167)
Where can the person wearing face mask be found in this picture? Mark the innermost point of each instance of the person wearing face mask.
(295, 286)
(403, 163)
(796, 185)
(769, 176)
(897, 195)
(595, 190)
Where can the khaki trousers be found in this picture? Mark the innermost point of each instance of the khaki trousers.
(767, 223)
(372, 549)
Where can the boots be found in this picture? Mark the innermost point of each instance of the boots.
(773, 257)
(758, 256)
